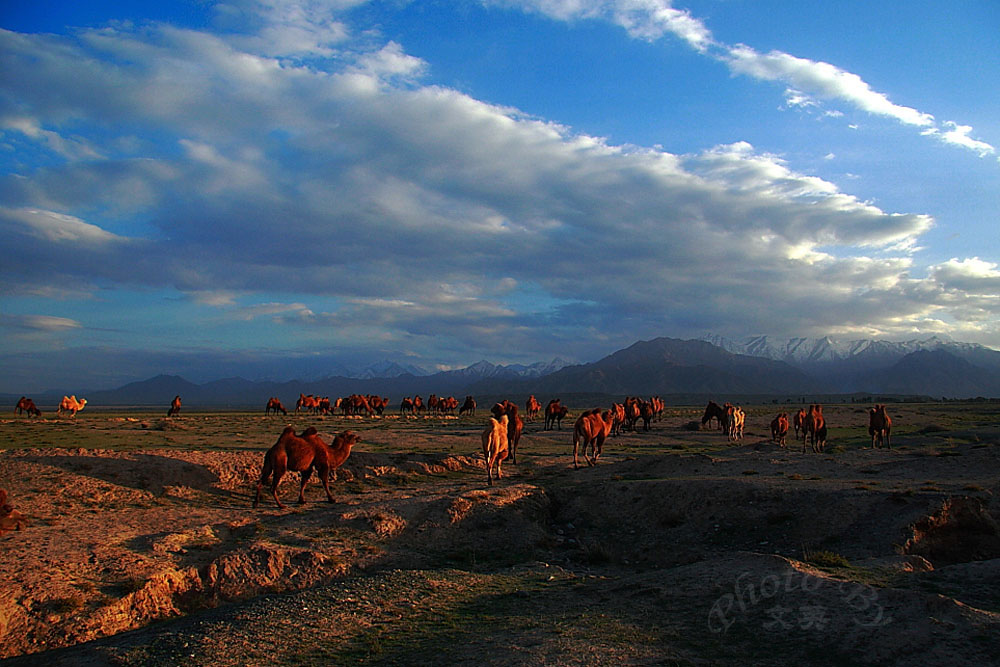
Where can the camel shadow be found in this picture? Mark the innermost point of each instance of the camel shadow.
(144, 472)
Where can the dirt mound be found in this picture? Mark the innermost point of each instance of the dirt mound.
(961, 530)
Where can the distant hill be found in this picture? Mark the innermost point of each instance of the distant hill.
(672, 366)
(869, 365)
(664, 366)
(935, 373)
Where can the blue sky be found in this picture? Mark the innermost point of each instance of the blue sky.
(276, 188)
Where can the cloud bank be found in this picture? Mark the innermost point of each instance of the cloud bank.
(296, 182)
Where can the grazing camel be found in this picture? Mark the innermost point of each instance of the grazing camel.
(71, 405)
(175, 407)
(591, 430)
(555, 412)
(273, 404)
(714, 411)
(406, 406)
(26, 405)
(303, 453)
(879, 426)
(779, 428)
(495, 445)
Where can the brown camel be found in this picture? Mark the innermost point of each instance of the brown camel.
(303, 453)
(591, 429)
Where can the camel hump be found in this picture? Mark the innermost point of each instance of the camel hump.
(288, 429)
(309, 431)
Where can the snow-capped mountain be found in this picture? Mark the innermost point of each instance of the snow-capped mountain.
(809, 353)
(388, 369)
(485, 370)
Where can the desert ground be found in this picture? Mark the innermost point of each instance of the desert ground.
(678, 547)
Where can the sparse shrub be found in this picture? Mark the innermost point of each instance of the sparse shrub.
(597, 553)
(826, 559)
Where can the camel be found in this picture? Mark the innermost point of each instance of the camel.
(26, 405)
(879, 426)
(591, 430)
(273, 404)
(406, 406)
(531, 408)
(378, 403)
(647, 410)
(309, 403)
(71, 405)
(303, 453)
(495, 445)
(779, 428)
(175, 407)
(814, 427)
(658, 405)
(735, 419)
(355, 404)
(554, 414)
(799, 422)
(515, 425)
(469, 406)
(714, 411)
(618, 411)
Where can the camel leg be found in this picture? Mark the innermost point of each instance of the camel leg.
(306, 474)
(324, 474)
(264, 475)
(274, 487)
(576, 448)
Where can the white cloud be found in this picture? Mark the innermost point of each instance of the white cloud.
(55, 227)
(958, 135)
(643, 19)
(810, 83)
(39, 323)
(811, 79)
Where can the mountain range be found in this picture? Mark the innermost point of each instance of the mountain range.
(712, 366)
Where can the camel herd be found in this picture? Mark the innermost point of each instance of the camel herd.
(306, 452)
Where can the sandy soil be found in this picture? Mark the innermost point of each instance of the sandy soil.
(142, 547)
